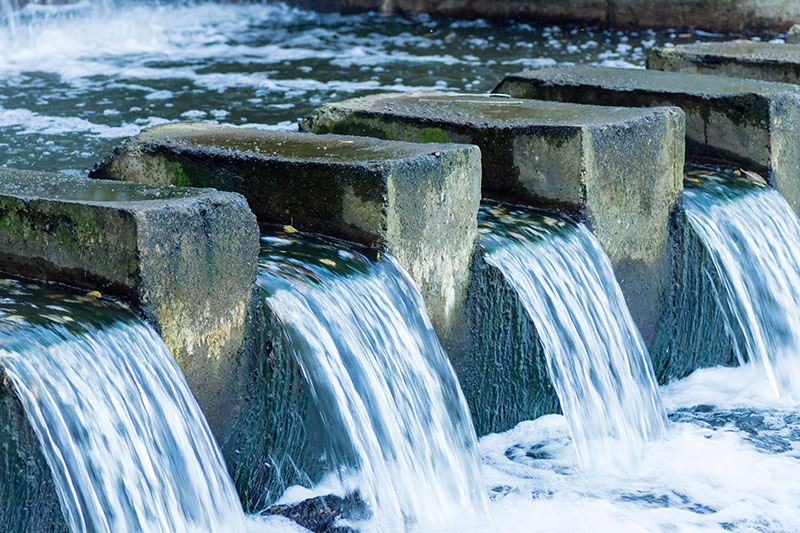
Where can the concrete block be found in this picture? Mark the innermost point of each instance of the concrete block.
(620, 168)
(186, 258)
(729, 121)
(734, 59)
(417, 202)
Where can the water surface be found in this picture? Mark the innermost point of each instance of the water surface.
(77, 78)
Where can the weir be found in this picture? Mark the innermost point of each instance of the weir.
(125, 441)
(322, 356)
(394, 413)
(595, 355)
(619, 168)
(753, 238)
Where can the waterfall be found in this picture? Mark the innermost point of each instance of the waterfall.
(753, 239)
(9, 14)
(596, 358)
(125, 440)
(387, 392)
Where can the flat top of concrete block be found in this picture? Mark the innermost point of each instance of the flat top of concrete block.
(63, 187)
(489, 109)
(629, 79)
(287, 145)
(742, 50)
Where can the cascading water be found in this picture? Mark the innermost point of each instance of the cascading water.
(753, 239)
(7, 12)
(125, 440)
(385, 387)
(596, 358)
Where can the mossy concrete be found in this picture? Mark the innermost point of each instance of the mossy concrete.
(28, 499)
(185, 258)
(729, 121)
(619, 168)
(504, 374)
(736, 59)
(417, 202)
(692, 333)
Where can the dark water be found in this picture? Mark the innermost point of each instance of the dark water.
(76, 79)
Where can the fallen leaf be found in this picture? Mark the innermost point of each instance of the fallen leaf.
(94, 294)
(755, 177)
(328, 262)
(289, 229)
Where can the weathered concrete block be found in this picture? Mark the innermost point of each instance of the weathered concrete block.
(586, 12)
(185, 258)
(417, 202)
(735, 59)
(620, 168)
(729, 121)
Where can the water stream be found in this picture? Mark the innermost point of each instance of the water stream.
(76, 78)
(753, 239)
(596, 358)
(388, 394)
(127, 444)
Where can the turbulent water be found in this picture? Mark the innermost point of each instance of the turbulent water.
(387, 391)
(126, 442)
(596, 358)
(76, 77)
(753, 239)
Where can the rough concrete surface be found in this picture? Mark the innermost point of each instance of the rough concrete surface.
(736, 59)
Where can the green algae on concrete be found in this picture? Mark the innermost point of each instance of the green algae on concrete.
(28, 499)
(417, 202)
(729, 121)
(620, 168)
(776, 62)
(692, 332)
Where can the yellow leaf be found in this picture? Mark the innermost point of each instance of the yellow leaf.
(328, 262)
(289, 229)
(94, 294)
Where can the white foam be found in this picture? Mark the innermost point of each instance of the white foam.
(698, 478)
(25, 121)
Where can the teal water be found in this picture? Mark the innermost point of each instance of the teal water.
(77, 77)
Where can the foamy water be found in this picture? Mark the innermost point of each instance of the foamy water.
(75, 79)
(730, 462)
